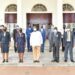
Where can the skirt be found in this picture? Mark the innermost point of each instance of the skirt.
(21, 49)
(5, 47)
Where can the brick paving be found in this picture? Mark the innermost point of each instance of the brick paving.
(45, 67)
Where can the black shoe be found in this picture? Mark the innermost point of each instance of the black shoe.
(42, 51)
(50, 50)
(53, 61)
(3, 61)
(6, 60)
(37, 61)
(20, 61)
(57, 61)
(72, 61)
(65, 60)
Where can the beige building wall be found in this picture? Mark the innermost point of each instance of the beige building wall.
(25, 6)
(3, 5)
(72, 2)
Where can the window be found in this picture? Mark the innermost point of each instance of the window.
(68, 7)
(39, 7)
(11, 17)
(11, 8)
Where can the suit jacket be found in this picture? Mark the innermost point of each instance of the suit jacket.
(20, 40)
(65, 38)
(0, 35)
(50, 35)
(28, 32)
(43, 32)
(6, 38)
(57, 39)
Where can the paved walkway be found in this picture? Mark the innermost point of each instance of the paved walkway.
(45, 60)
(37, 70)
(45, 67)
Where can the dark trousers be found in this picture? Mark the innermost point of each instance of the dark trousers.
(42, 46)
(68, 48)
(28, 45)
(56, 52)
(15, 49)
(63, 47)
(50, 45)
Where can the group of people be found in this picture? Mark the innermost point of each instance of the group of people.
(5, 39)
(35, 39)
(66, 40)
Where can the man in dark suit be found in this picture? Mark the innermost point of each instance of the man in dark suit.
(68, 40)
(50, 38)
(56, 45)
(29, 30)
(43, 32)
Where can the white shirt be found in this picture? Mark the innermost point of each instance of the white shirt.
(4, 34)
(36, 38)
(68, 36)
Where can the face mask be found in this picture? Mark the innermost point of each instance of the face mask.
(67, 29)
(41, 29)
(55, 31)
(34, 29)
(29, 27)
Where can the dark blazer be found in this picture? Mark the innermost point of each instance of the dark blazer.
(50, 35)
(20, 40)
(65, 38)
(57, 39)
(28, 32)
(6, 38)
(0, 34)
(5, 42)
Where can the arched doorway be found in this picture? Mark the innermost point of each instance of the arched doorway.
(11, 17)
(44, 19)
(39, 16)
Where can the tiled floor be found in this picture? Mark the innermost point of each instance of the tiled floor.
(45, 60)
(45, 67)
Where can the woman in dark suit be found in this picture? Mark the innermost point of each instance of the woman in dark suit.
(5, 41)
(20, 44)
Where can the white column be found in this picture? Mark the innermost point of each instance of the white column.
(2, 17)
(19, 13)
(59, 17)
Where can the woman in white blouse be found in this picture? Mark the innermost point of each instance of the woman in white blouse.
(36, 42)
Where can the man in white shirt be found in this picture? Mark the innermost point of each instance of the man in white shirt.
(36, 42)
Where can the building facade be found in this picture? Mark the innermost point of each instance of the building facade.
(42, 12)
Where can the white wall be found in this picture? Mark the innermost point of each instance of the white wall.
(27, 5)
(3, 5)
(72, 2)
